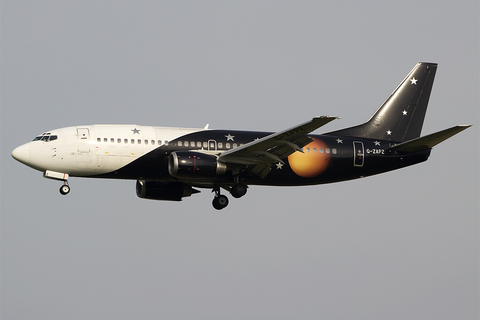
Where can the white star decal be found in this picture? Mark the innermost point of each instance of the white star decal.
(389, 133)
(135, 130)
(404, 112)
(414, 81)
(229, 137)
(279, 165)
(377, 143)
(339, 141)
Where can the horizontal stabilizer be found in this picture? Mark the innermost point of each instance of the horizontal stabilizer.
(429, 141)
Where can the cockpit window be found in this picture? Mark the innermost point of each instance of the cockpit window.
(46, 137)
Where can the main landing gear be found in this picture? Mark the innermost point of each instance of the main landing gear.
(220, 201)
(238, 190)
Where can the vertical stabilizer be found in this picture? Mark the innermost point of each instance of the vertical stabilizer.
(400, 118)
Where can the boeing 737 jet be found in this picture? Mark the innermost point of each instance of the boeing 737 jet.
(172, 163)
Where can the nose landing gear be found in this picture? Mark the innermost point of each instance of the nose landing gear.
(65, 189)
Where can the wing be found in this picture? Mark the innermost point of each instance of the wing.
(260, 154)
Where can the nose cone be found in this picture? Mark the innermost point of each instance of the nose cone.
(22, 153)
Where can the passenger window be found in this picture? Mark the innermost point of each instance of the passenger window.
(327, 150)
(112, 140)
(132, 141)
(105, 140)
(234, 145)
(99, 140)
(227, 145)
(334, 151)
(220, 145)
(321, 150)
(314, 150)
(159, 142)
(153, 142)
(179, 143)
(186, 143)
(139, 141)
(146, 141)
(119, 140)
(205, 145)
(166, 142)
(125, 140)
(308, 149)
(199, 144)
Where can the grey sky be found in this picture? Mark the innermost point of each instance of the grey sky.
(401, 245)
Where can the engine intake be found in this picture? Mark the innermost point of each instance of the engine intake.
(163, 190)
(194, 165)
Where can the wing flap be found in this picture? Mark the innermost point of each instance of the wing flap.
(273, 148)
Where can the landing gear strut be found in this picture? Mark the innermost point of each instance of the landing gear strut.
(65, 189)
(220, 201)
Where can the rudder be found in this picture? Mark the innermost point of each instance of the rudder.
(401, 116)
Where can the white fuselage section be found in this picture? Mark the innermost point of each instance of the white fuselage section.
(94, 149)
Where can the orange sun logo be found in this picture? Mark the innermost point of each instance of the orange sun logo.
(312, 162)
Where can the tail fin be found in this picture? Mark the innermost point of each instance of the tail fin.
(401, 116)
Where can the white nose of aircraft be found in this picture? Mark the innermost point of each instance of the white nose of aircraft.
(22, 153)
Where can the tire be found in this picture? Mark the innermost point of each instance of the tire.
(65, 189)
(238, 190)
(220, 202)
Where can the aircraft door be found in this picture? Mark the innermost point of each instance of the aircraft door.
(83, 140)
(358, 152)
(212, 145)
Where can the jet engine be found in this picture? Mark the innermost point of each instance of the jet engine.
(163, 190)
(194, 165)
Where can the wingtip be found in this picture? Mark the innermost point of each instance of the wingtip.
(327, 117)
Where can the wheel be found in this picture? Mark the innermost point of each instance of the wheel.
(220, 202)
(65, 189)
(238, 190)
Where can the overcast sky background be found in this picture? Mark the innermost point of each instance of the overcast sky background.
(401, 245)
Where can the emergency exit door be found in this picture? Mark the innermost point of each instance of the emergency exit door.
(358, 152)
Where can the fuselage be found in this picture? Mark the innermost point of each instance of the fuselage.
(142, 152)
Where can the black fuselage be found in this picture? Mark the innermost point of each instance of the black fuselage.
(335, 159)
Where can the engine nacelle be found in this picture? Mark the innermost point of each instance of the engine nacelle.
(163, 190)
(194, 165)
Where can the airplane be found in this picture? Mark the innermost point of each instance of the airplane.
(170, 163)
